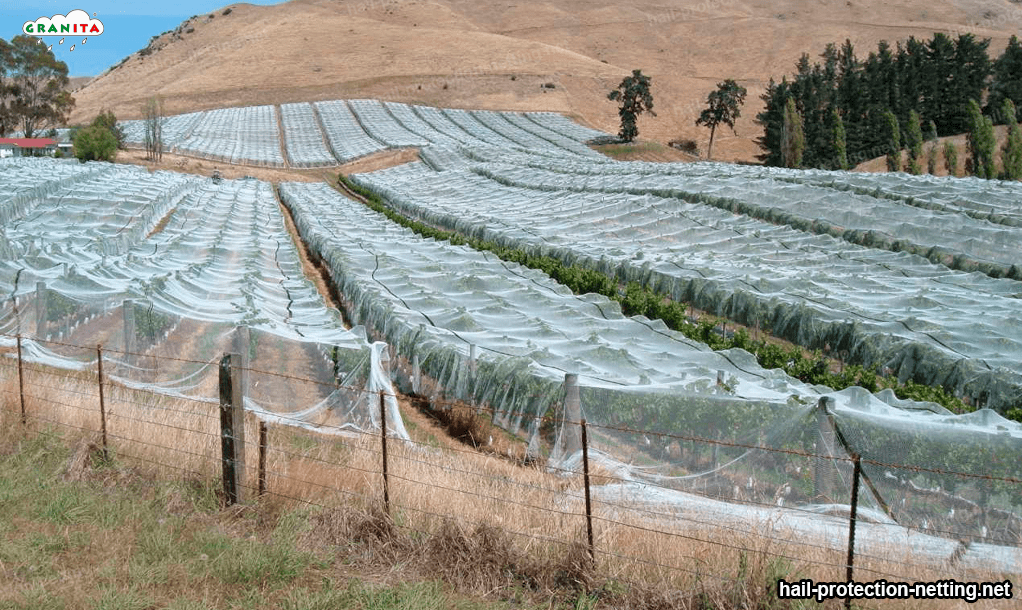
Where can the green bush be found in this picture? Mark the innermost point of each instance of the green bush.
(95, 143)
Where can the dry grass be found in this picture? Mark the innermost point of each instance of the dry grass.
(484, 524)
(464, 53)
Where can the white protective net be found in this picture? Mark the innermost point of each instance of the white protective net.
(169, 272)
(923, 322)
(667, 417)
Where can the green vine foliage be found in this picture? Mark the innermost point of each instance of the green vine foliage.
(640, 300)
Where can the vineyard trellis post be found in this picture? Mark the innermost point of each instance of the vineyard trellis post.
(572, 414)
(128, 313)
(824, 470)
(416, 375)
(40, 310)
(232, 427)
(102, 399)
(383, 443)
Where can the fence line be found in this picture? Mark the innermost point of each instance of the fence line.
(233, 449)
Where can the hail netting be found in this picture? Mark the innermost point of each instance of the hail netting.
(338, 131)
(169, 272)
(891, 310)
(662, 409)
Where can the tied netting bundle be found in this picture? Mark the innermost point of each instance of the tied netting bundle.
(168, 272)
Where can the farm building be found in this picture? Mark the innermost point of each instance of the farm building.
(27, 147)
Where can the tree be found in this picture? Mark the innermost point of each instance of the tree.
(95, 143)
(950, 158)
(914, 143)
(892, 141)
(38, 88)
(931, 154)
(1011, 154)
(635, 98)
(793, 141)
(981, 142)
(723, 107)
(772, 121)
(1007, 81)
(838, 141)
(108, 121)
(7, 119)
(152, 117)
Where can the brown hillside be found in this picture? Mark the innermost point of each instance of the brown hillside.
(463, 53)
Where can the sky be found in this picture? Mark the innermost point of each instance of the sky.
(127, 26)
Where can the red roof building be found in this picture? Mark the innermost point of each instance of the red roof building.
(26, 147)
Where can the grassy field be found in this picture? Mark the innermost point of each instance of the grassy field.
(78, 531)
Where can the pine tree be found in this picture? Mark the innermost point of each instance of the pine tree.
(1007, 80)
(772, 121)
(914, 143)
(792, 137)
(892, 141)
(1011, 154)
(950, 158)
(981, 142)
(838, 141)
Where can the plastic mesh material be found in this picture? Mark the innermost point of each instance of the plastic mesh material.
(168, 272)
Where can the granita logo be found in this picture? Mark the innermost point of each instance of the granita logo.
(77, 22)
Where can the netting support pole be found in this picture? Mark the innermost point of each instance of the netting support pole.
(242, 346)
(262, 457)
(416, 375)
(589, 505)
(857, 470)
(825, 435)
(383, 443)
(102, 399)
(572, 414)
(472, 376)
(128, 313)
(232, 428)
(21, 385)
(40, 310)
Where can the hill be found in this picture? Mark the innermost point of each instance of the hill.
(503, 55)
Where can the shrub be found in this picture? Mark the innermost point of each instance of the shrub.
(950, 158)
(95, 143)
(227, 11)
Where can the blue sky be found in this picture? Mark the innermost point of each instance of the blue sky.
(127, 26)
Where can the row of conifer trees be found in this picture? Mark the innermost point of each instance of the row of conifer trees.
(839, 112)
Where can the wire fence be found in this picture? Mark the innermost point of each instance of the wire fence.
(622, 527)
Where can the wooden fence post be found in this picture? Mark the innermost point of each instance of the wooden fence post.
(262, 457)
(383, 441)
(232, 428)
(102, 401)
(21, 385)
(585, 478)
(853, 513)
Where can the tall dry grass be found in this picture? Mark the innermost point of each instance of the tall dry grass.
(476, 520)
